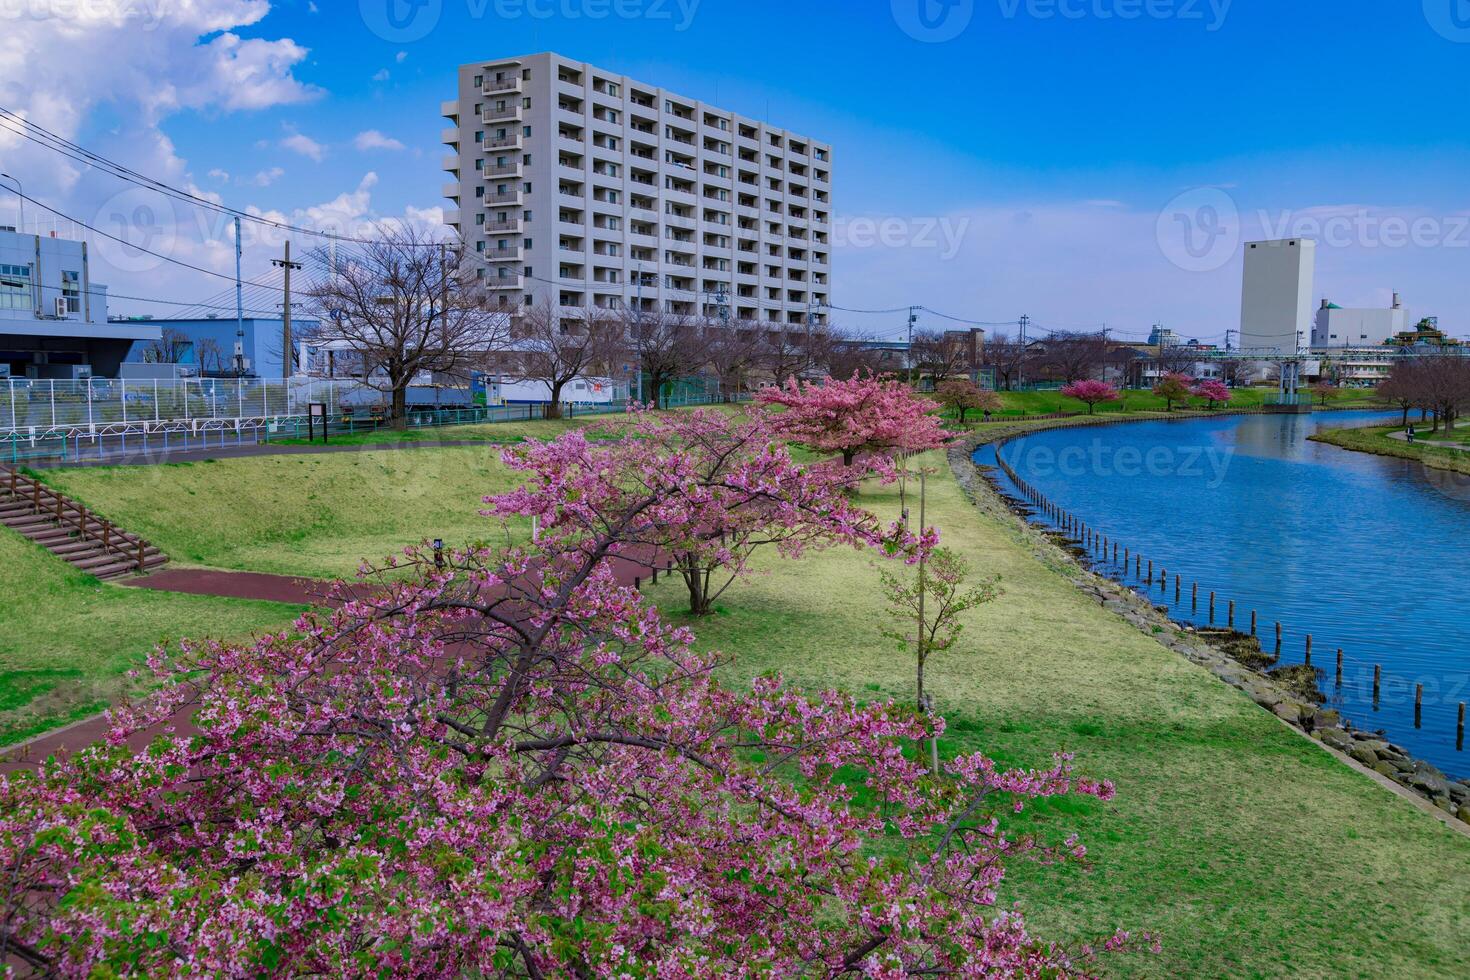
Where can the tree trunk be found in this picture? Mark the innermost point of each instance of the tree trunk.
(553, 407)
(848, 455)
(694, 581)
(398, 407)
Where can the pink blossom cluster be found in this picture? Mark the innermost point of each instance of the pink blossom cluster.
(862, 416)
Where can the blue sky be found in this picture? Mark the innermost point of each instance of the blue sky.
(1039, 156)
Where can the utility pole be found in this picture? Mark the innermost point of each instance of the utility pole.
(909, 357)
(239, 310)
(1024, 322)
(287, 265)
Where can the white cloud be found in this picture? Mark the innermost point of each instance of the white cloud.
(219, 174)
(267, 177)
(371, 139)
(304, 145)
(401, 57)
(381, 75)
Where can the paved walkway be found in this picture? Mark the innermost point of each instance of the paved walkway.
(1419, 441)
(236, 585)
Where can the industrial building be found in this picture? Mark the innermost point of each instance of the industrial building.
(1276, 296)
(53, 317)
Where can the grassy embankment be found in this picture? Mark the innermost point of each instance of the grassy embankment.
(68, 640)
(1375, 440)
(1251, 850)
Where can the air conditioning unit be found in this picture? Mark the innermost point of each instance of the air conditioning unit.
(61, 307)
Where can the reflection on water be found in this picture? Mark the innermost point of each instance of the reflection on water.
(1365, 553)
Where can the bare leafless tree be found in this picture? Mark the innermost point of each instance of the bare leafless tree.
(785, 351)
(1071, 356)
(407, 306)
(169, 348)
(209, 355)
(733, 350)
(940, 356)
(555, 347)
(1175, 359)
(1009, 357)
(849, 353)
(667, 346)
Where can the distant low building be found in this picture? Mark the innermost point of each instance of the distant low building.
(216, 347)
(53, 317)
(1336, 326)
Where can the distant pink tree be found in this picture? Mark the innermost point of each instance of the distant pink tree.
(1173, 387)
(1090, 392)
(862, 416)
(1212, 391)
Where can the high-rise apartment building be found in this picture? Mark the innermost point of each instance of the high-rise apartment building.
(577, 186)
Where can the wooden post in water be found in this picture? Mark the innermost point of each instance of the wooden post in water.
(1194, 597)
(1150, 571)
(1137, 566)
(1253, 622)
(1339, 666)
(1230, 620)
(1278, 638)
(1460, 730)
(1178, 585)
(1212, 607)
(1309, 649)
(1418, 704)
(1377, 683)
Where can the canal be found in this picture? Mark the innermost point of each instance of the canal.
(1365, 553)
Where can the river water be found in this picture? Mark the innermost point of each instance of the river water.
(1364, 553)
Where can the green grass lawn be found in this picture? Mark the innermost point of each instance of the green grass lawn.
(468, 432)
(1375, 439)
(67, 640)
(316, 515)
(1248, 848)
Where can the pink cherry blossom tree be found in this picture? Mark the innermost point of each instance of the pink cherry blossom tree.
(861, 416)
(1172, 388)
(1090, 392)
(513, 765)
(750, 495)
(1212, 391)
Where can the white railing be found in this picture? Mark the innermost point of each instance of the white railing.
(41, 406)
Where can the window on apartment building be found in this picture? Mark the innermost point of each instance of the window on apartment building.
(526, 102)
(526, 187)
(526, 216)
(480, 218)
(479, 81)
(526, 242)
(479, 163)
(525, 74)
(15, 288)
(526, 131)
(480, 191)
(479, 246)
(526, 160)
(479, 136)
(529, 273)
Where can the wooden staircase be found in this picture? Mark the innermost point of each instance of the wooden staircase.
(70, 531)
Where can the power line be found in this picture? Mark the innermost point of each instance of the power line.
(74, 151)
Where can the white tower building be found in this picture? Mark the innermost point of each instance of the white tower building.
(1277, 295)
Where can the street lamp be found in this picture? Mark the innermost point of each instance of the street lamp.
(20, 200)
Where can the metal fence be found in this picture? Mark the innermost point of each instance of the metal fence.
(42, 407)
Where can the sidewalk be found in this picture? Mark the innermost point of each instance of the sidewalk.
(1404, 437)
(151, 458)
